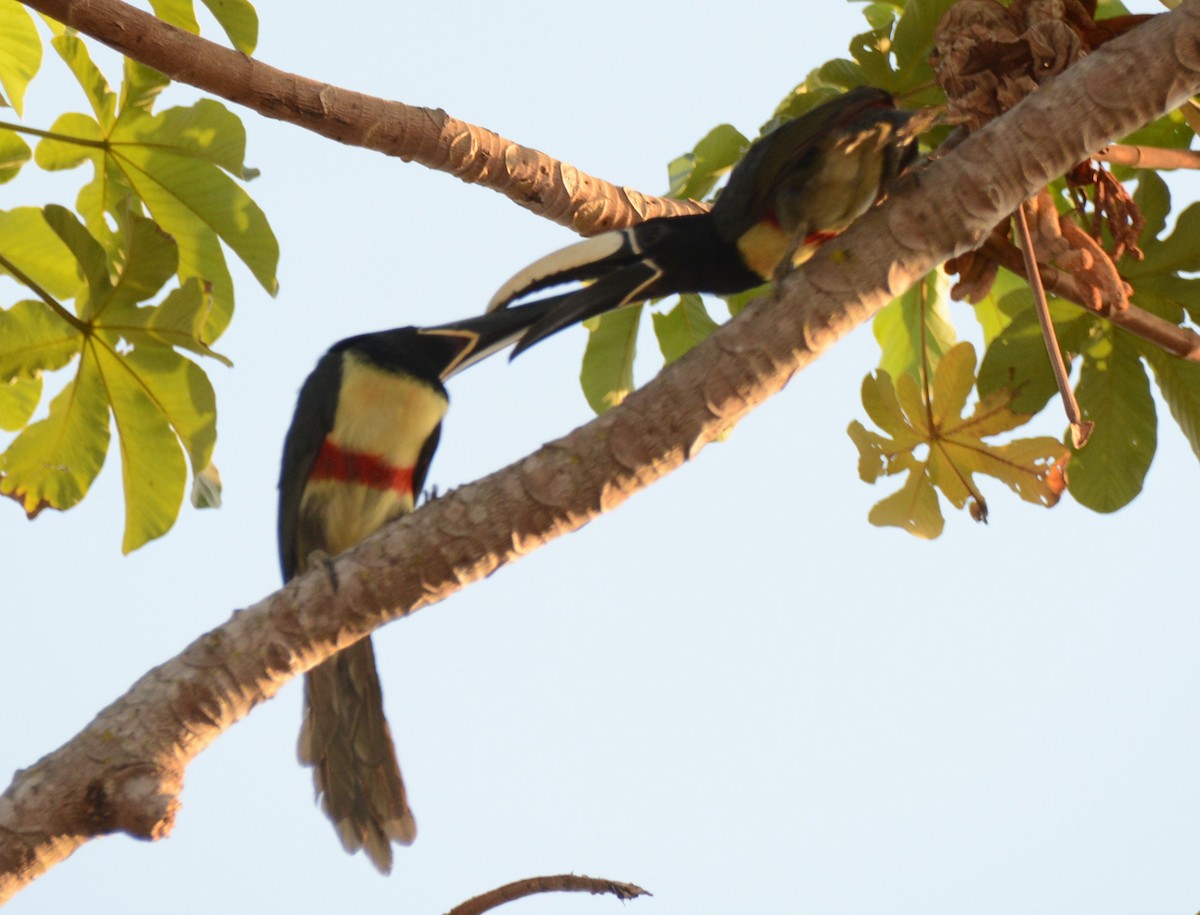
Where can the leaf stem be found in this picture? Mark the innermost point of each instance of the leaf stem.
(50, 135)
(52, 303)
(1080, 428)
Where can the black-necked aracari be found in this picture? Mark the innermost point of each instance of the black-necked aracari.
(366, 425)
(795, 188)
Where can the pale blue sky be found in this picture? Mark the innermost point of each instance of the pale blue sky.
(733, 691)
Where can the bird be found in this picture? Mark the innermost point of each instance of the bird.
(365, 428)
(796, 187)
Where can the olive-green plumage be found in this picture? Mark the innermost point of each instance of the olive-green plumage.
(799, 185)
(365, 428)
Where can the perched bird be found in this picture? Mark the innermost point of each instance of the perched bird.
(366, 426)
(796, 187)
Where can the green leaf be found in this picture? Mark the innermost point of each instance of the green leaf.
(1113, 393)
(74, 52)
(913, 39)
(844, 73)
(152, 467)
(1153, 198)
(740, 300)
(1179, 383)
(33, 339)
(173, 161)
(30, 246)
(880, 16)
(14, 153)
(236, 17)
(192, 200)
(178, 321)
(956, 447)
(681, 328)
(148, 259)
(1157, 285)
(802, 99)
(19, 397)
(1017, 361)
(883, 406)
(1178, 251)
(872, 52)
(158, 399)
(54, 461)
(206, 130)
(913, 508)
(182, 393)
(181, 13)
(607, 374)
(239, 20)
(693, 175)
(990, 312)
(20, 52)
(141, 86)
(92, 260)
(915, 328)
(951, 385)
(77, 140)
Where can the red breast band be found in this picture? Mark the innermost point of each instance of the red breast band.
(334, 463)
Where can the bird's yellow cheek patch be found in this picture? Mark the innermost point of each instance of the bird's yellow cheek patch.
(387, 414)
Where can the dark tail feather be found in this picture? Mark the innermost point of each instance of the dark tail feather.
(346, 740)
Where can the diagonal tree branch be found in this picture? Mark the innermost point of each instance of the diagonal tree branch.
(125, 770)
(429, 136)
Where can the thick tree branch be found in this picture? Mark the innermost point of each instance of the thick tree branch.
(429, 136)
(124, 771)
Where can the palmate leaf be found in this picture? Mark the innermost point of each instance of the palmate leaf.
(956, 448)
(177, 165)
(894, 54)
(696, 173)
(161, 403)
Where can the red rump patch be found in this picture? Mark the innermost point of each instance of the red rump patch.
(819, 238)
(334, 463)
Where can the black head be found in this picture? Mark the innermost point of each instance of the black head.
(406, 349)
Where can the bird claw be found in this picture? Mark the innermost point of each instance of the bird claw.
(325, 561)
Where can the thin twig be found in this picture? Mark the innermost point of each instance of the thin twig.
(1170, 338)
(1148, 156)
(1080, 428)
(427, 136)
(563, 883)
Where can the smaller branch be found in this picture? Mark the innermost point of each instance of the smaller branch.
(1148, 156)
(563, 883)
(1171, 338)
(1080, 428)
(428, 136)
